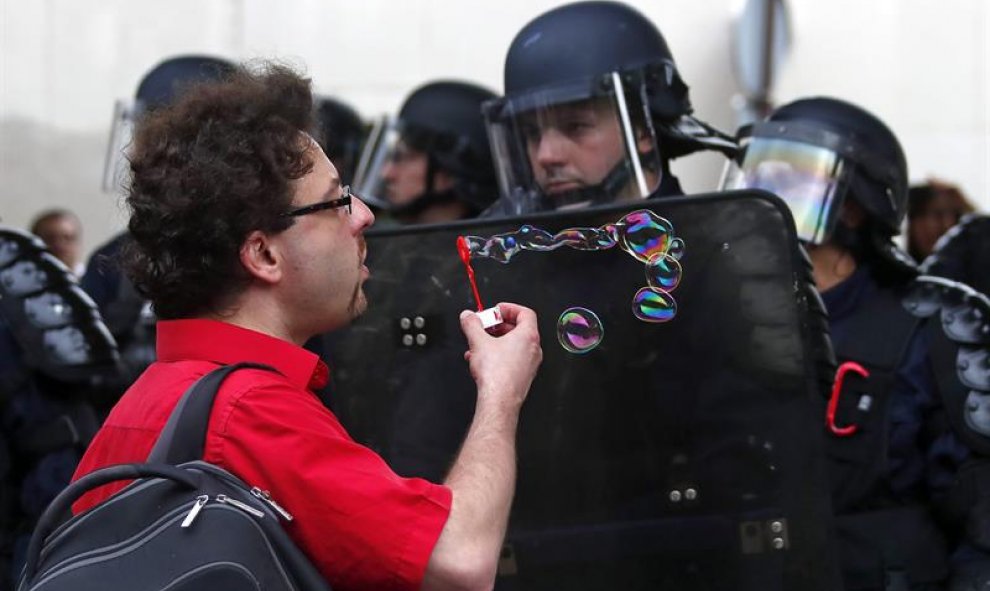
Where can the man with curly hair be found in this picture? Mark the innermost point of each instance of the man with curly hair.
(247, 245)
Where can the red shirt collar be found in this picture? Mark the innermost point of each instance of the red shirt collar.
(220, 342)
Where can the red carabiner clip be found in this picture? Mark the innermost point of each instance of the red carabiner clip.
(833, 401)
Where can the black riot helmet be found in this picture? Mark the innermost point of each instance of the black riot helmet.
(815, 153)
(341, 134)
(165, 81)
(159, 87)
(441, 120)
(607, 63)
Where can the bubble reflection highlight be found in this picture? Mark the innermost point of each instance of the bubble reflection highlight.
(650, 305)
(579, 330)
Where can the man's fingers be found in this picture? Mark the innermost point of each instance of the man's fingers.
(471, 325)
(514, 314)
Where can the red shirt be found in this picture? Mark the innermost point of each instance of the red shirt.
(363, 526)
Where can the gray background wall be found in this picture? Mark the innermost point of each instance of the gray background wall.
(921, 65)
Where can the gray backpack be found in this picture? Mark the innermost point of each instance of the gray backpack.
(182, 525)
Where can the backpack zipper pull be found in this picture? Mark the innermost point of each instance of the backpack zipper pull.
(242, 506)
(196, 508)
(266, 496)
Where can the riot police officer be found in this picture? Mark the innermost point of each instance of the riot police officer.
(594, 111)
(127, 314)
(433, 163)
(905, 457)
(55, 353)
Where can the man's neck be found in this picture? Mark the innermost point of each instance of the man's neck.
(260, 316)
(831, 264)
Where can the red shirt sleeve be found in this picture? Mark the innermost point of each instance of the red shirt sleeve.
(363, 526)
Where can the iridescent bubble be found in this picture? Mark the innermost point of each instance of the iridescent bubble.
(653, 305)
(644, 234)
(532, 238)
(613, 231)
(663, 272)
(585, 238)
(676, 248)
(579, 330)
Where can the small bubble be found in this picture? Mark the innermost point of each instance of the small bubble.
(663, 272)
(652, 305)
(579, 330)
(676, 249)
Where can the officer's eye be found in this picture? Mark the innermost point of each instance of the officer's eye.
(576, 126)
(530, 132)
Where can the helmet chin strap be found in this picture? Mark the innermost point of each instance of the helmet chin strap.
(603, 192)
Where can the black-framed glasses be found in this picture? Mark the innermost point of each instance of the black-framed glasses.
(343, 201)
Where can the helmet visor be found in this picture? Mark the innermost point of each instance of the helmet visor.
(115, 169)
(574, 146)
(808, 178)
(401, 162)
(368, 181)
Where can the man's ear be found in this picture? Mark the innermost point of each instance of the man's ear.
(260, 257)
(852, 213)
(644, 140)
(443, 181)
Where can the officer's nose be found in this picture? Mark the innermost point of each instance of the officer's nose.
(388, 171)
(551, 149)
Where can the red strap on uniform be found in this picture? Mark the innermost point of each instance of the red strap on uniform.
(833, 401)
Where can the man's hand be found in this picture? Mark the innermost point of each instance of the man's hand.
(504, 359)
(483, 478)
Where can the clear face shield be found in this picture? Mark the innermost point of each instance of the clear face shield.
(804, 167)
(574, 146)
(115, 171)
(368, 181)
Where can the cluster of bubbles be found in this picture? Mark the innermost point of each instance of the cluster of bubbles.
(643, 234)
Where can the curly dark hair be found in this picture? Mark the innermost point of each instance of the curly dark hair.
(205, 172)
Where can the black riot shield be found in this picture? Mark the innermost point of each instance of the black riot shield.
(672, 438)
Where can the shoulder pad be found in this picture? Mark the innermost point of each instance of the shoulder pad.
(954, 239)
(51, 318)
(965, 312)
(964, 316)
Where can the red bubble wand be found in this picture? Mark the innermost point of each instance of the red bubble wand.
(491, 316)
(465, 251)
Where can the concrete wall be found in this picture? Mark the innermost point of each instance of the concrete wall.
(922, 65)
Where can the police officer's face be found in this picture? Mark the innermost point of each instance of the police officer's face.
(63, 236)
(404, 174)
(573, 146)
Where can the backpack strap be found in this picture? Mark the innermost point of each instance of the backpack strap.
(184, 437)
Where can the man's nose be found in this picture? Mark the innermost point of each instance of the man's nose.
(551, 148)
(361, 214)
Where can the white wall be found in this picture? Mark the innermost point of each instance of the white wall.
(921, 65)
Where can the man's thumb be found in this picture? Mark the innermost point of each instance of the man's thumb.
(471, 325)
